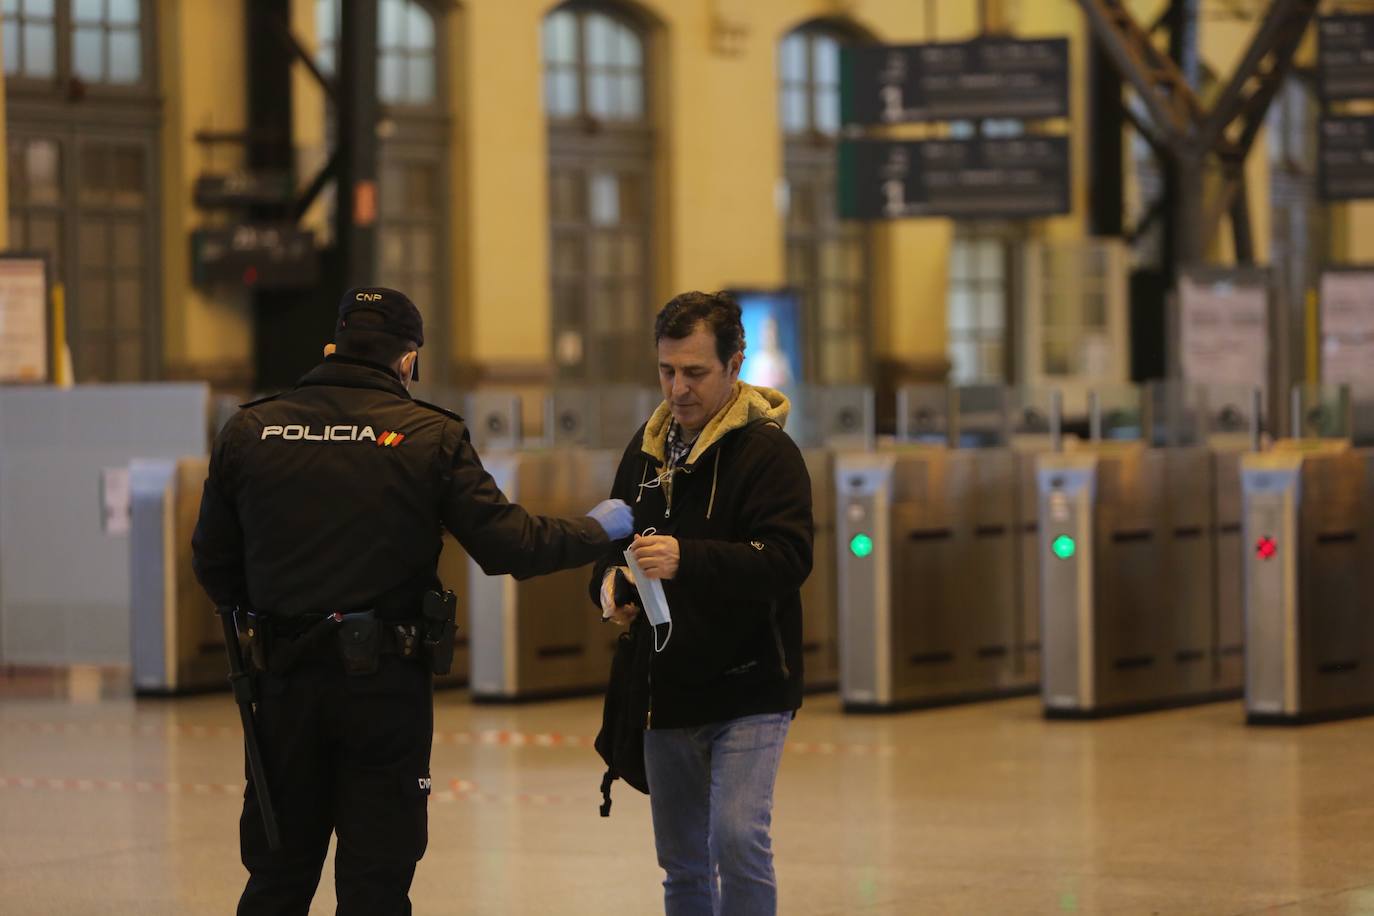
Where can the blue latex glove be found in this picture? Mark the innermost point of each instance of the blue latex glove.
(617, 518)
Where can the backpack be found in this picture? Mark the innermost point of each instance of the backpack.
(625, 714)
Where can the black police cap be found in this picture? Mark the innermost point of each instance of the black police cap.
(399, 316)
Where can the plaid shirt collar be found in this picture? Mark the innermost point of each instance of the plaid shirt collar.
(676, 449)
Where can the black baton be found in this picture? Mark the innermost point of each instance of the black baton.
(243, 696)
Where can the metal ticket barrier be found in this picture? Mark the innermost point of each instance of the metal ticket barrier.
(1139, 550)
(1309, 613)
(819, 595)
(934, 585)
(177, 644)
(542, 637)
(495, 420)
(603, 418)
(494, 423)
(824, 420)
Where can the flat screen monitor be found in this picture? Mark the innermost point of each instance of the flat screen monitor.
(772, 333)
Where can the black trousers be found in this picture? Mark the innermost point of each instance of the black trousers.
(347, 756)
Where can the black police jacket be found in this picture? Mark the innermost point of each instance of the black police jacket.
(332, 496)
(740, 508)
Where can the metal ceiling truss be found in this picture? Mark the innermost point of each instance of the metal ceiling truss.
(1182, 128)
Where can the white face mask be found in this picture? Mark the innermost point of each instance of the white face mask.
(654, 600)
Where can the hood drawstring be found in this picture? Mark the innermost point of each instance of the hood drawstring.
(715, 472)
(642, 484)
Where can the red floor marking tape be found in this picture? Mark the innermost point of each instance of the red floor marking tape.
(31, 783)
(465, 790)
(102, 729)
(489, 738)
(512, 739)
(459, 790)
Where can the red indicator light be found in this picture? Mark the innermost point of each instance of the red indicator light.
(250, 276)
(1265, 548)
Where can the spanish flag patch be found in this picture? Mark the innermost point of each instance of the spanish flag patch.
(390, 439)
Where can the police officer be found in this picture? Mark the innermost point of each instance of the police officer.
(322, 519)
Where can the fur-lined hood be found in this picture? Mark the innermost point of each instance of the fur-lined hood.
(748, 404)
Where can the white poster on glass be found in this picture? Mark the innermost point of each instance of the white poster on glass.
(116, 501)
(1224, 331)
(1347, 327)
(24, 344)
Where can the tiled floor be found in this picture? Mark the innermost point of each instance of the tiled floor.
(110, 805)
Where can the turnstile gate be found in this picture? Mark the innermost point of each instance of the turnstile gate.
(177, 643)
(1139, 553)
(1309, 611)
(541, 637)
(820, 639)
(931, 541)
(824, 420)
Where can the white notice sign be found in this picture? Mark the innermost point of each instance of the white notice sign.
(116, 501)
(1224, 332)
(23, 320)
(1347, 327)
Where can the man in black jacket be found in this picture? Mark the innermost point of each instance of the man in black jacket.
(322, 517)
(722, 504)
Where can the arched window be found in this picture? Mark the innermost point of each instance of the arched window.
(412, 178)
(600, 192)
(83, 123)
(982, 260)
(828, 260)
(406, 59)
(405, 54)
(98, 42)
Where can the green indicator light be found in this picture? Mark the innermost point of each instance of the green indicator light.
(1064, 547)
(861, 545)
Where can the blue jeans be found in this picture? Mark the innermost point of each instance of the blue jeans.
(711, 793)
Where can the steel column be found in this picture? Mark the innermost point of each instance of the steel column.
(355, 220)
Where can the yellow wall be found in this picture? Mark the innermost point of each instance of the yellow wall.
(503, 305)
(308, 119)
(201, 47)
(4, 166)
(720, 162)
(1222, 43)
(714, 98)
(715, 105)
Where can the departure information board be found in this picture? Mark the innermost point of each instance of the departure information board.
(243, 189)
(954, 81)
(976, 178)
(1345, 57)
(1345, 164)
(266, 256)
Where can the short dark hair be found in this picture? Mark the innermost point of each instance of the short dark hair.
(362, 340)
(718, 311)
